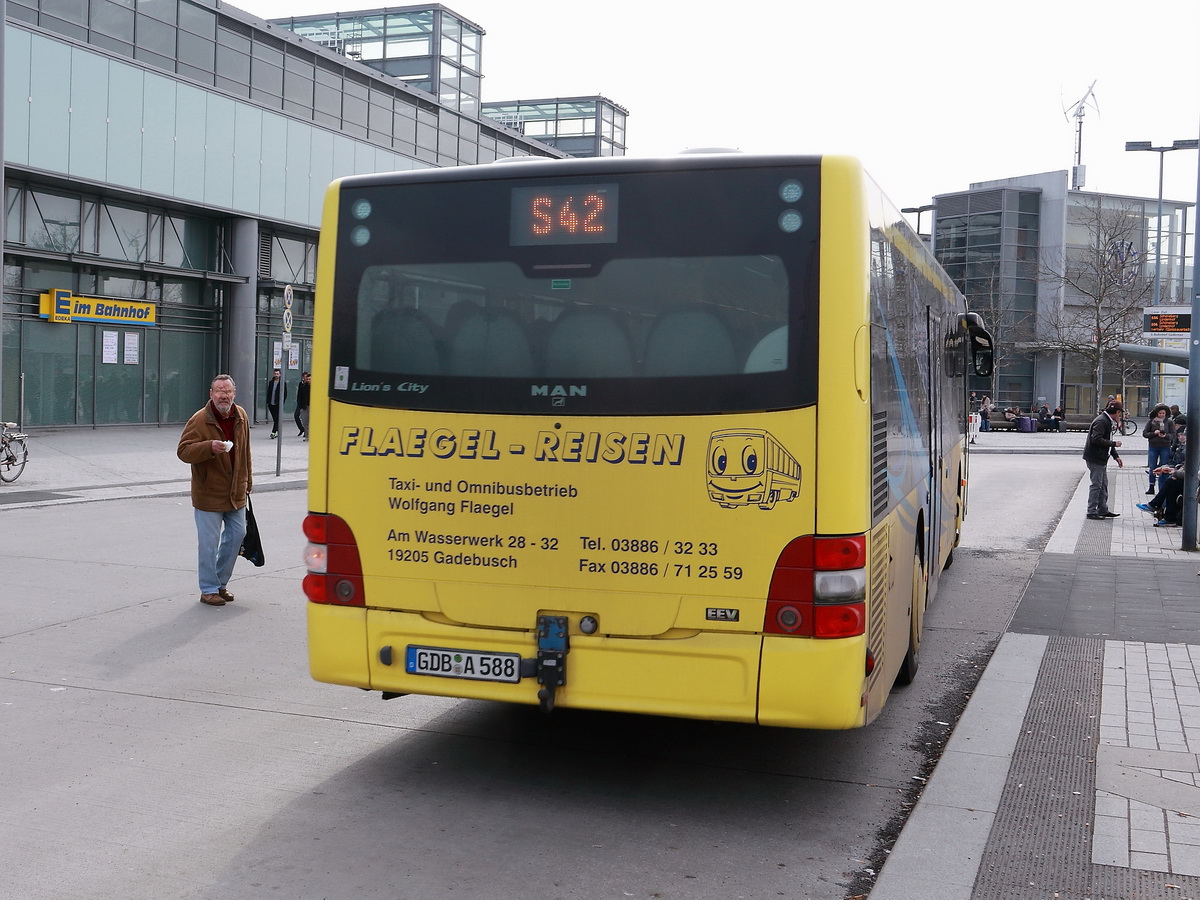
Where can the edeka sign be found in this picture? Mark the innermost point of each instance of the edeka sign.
(62, 306)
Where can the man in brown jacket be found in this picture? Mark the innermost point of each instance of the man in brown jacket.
(216, 443)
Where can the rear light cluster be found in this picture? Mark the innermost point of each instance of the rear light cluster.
(818, 588)
(334, 568)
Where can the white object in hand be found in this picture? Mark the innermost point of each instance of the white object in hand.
(228, 445)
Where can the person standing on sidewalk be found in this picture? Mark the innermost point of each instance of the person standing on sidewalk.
(1160, 435)
(302, 391)
(985, 413)
(1096, 451)
(216, 444)
(276, 394)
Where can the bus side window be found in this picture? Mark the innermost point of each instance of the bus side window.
(588, 344)
(691, 341)
(405, 340)
(491, 342)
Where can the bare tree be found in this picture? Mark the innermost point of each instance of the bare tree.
(1104, 287)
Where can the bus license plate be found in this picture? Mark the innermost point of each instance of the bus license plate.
(478, 665)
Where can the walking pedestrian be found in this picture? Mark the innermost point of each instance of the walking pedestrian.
(302, 391)
(276, 394)
(216, 444)
(1096, 451)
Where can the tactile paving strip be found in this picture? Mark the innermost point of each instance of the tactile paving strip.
(1095, 538)
(1040, 844)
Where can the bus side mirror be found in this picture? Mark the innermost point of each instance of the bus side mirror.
(982, 357)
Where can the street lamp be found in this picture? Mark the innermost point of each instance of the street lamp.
(1192, 456)
(1191, 144)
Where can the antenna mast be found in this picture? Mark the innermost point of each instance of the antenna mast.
(1079, 170)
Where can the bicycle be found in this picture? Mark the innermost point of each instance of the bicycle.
(1128, 427)
(14, 452)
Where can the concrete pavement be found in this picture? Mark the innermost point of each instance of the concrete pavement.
(74, 465)
(1074, 771)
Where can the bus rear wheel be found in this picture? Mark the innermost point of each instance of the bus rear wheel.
(912, 659)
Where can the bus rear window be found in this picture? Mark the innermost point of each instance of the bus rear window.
(642, 318)
(662, 310)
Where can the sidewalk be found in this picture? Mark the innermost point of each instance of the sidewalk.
(77, 465)
(1074, 772)
(1000, 441)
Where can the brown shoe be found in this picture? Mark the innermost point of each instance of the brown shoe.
(212, 599)
(225, 595)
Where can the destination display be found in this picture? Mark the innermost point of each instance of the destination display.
(1167, 321)
(571, 214)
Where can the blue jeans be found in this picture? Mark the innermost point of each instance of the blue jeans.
(220, 537)
(1155, 457)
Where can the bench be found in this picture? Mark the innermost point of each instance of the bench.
(1003, 424)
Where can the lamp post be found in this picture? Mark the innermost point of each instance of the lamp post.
(1189, 144)
(1191, 461)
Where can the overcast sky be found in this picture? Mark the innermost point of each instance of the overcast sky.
(932, 95)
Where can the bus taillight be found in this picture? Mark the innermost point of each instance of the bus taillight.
(818, 588)
(331, 557)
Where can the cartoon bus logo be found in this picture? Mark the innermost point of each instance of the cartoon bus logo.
(747, 466)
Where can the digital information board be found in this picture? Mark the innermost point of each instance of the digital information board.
(1166, 321)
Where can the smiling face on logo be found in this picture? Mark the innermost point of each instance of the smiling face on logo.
(735, 464)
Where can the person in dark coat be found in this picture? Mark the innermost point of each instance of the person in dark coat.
(302, 392)
(1160, 435)
(276, 394)
(1096, 451)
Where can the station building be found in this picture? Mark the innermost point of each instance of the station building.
(165, 166)
(1036, 258)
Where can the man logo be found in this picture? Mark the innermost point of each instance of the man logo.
(558, 391)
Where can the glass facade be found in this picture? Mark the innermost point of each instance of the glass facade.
(284, 259)
(987, 241)
(425, 47)
(139, 133)
(76, 373)
(578, 126)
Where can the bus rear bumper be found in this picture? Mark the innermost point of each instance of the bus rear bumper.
(703, 675)
(808, 683)
(751, 678)
(337, 648)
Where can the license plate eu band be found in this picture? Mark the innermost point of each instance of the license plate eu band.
(475, 665)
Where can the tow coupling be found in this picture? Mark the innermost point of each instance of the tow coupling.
(553, 644)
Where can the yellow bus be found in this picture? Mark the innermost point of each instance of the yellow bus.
(677, 436)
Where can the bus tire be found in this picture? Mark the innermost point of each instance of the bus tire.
(912, 659)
